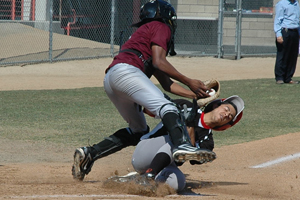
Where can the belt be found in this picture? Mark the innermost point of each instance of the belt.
(290, 29)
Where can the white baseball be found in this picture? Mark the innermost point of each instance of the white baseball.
(212, 92)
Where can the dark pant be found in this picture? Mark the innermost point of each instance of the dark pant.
(287, 55)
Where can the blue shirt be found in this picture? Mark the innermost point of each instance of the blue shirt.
(287, 16)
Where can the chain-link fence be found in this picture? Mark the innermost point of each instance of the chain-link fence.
(54, 30)
(248, 27)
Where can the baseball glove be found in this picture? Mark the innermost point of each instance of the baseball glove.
(210, 84)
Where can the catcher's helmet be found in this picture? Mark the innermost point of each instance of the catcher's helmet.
(236, 102)
(158, 10)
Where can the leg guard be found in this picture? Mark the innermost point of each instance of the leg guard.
(176, 128)
(119, 140)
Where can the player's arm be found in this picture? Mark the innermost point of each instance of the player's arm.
(171, 86)
(160, 62)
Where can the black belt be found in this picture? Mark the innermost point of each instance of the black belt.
(136, 52)
(290, 29)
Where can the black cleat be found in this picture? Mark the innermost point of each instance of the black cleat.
(186, 152)
(83, 163)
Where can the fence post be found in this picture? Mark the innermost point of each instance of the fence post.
(112, 27)
(50, 30)
(32, 10)
(220, 29)
(238, 34)
(22, 10)
(13, 9)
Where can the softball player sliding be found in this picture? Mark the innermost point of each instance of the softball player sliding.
(153, 155)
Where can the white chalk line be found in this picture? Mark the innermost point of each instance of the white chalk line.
(71, 196)
(92, 196)
(277, 161)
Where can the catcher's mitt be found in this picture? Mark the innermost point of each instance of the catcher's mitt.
(210, 84)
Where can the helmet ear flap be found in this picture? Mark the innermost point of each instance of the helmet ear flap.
(167, 13)
(239, 117)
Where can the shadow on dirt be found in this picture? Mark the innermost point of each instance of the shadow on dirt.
(196, 184)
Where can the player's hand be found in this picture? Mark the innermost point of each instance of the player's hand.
(199, 88)
(280, 39)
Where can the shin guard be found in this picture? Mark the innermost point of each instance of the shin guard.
(119, 140)
(176, 128)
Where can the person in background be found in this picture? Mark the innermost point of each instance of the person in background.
(287, 29)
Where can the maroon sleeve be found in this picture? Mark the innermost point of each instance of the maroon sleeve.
(161, 35)
(154, 32)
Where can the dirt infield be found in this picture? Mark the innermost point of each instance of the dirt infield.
(43, 170)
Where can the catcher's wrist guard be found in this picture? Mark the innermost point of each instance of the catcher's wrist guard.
(210, 84)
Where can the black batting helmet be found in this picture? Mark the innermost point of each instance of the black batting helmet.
(158, 10)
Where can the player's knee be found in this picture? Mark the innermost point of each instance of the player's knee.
(173, 177)
(167, 108)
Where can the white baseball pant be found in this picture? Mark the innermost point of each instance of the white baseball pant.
(129, 89)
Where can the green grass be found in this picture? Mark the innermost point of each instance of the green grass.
(73, 117)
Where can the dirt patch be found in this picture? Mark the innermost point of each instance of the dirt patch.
(43, 170)
(90, 73)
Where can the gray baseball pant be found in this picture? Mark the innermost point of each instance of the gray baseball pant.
(129, 89)
(145, 152)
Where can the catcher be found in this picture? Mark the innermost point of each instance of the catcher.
(153, 155)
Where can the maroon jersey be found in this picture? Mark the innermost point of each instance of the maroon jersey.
(154, 32)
